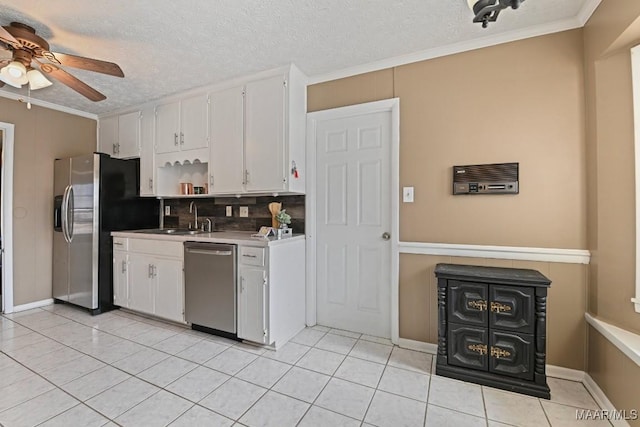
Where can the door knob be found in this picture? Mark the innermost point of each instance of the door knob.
(386, 236)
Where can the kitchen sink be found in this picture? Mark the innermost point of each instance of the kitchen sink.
(176, 231)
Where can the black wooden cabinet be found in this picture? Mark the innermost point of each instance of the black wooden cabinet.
(492, 327)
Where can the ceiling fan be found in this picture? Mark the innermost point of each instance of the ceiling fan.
(27, 56)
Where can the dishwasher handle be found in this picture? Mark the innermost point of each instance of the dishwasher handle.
(206, 252)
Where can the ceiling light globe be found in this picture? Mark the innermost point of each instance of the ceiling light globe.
(16, 69)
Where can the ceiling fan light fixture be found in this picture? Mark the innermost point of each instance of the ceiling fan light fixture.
(37, 80)
(13, 74)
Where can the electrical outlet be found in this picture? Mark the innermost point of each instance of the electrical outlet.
(229, 211)
(167, 210)
(244, 211)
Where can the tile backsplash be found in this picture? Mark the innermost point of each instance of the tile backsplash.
(215, 209)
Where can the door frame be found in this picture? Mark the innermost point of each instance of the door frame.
(8, 130)
(387, 105)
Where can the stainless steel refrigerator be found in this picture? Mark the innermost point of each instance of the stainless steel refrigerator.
(94, 195)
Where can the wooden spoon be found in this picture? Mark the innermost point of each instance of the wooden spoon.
(274, 208)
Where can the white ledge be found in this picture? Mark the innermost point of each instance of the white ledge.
(627, 342)
(570, 256)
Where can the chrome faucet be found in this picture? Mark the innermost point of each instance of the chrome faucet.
(193, 208)
(207, 225)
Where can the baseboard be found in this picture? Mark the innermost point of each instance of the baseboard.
(565, 373)
(602, 400)
(425, 347)
(32, 305)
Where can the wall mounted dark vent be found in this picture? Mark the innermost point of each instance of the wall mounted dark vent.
(497, 178)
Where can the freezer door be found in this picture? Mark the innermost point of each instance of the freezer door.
(83, 231)
(61, 180)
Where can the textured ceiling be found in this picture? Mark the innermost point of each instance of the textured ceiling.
(166, 46)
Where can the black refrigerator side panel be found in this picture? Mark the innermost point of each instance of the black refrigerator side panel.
(121, 208)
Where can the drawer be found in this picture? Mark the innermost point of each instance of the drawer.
(252, 256)
(157, 247)
(120, 244)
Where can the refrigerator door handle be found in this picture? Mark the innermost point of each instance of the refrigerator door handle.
(70, 211)
(65, 214)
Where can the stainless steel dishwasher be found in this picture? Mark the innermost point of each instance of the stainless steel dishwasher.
(210, 287)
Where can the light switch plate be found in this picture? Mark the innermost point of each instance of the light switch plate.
(407, 194)
(229, 211)
(167, 210)
(244, 211)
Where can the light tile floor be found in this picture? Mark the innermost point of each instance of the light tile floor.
(59, 366)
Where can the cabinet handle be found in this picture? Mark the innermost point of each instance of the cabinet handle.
(118, 244)
(241, 284)
(481, 349)
(150, 183)
(154, 270)
(249, 256)
(246, 176)
(500, 308)
(479, 305)
(181, 138)
(175, 139)
(150, 271)
(113, 148)
(211, 180)
(497, 352)
(118, 147)
(124, 266)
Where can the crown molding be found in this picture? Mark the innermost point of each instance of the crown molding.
(49, 105)
(451, 49)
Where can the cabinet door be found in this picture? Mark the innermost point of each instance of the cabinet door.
(512, 308)
(140, 283)
(108, 135)
(128, 135)
(468, 302)
(120, 279)
(467, 346)
(264, 138)
(194, 123)
(226, 165)
(512, 354)
(167, 130)
(147, 184)
(169, 292)
(252, 305)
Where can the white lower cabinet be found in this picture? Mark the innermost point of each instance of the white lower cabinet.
(271, 292)
(149, 278)
(120, 278)
(253, 297)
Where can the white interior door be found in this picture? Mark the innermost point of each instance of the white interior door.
(353, 252)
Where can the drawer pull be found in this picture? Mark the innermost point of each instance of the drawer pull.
(498, 352)
(479, 305)
(478, 348)
(500, 308)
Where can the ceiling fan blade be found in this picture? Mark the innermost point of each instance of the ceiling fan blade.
(6, 55)
(90, 64)
(75, 84)
(7, 38)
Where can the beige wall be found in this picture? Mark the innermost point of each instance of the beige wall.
(41, 135)
(611, 191)
(521, 101)
(616, 374)
(610, 147)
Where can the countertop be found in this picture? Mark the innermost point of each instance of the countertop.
(229, 237)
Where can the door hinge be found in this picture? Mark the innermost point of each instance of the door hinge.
(265, 333)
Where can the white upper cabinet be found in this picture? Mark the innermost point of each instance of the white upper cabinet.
(182, 125)
(264, 140)
(259, 146)
(128, 135)
(147, 179)
(119, 136)
(226, 157)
